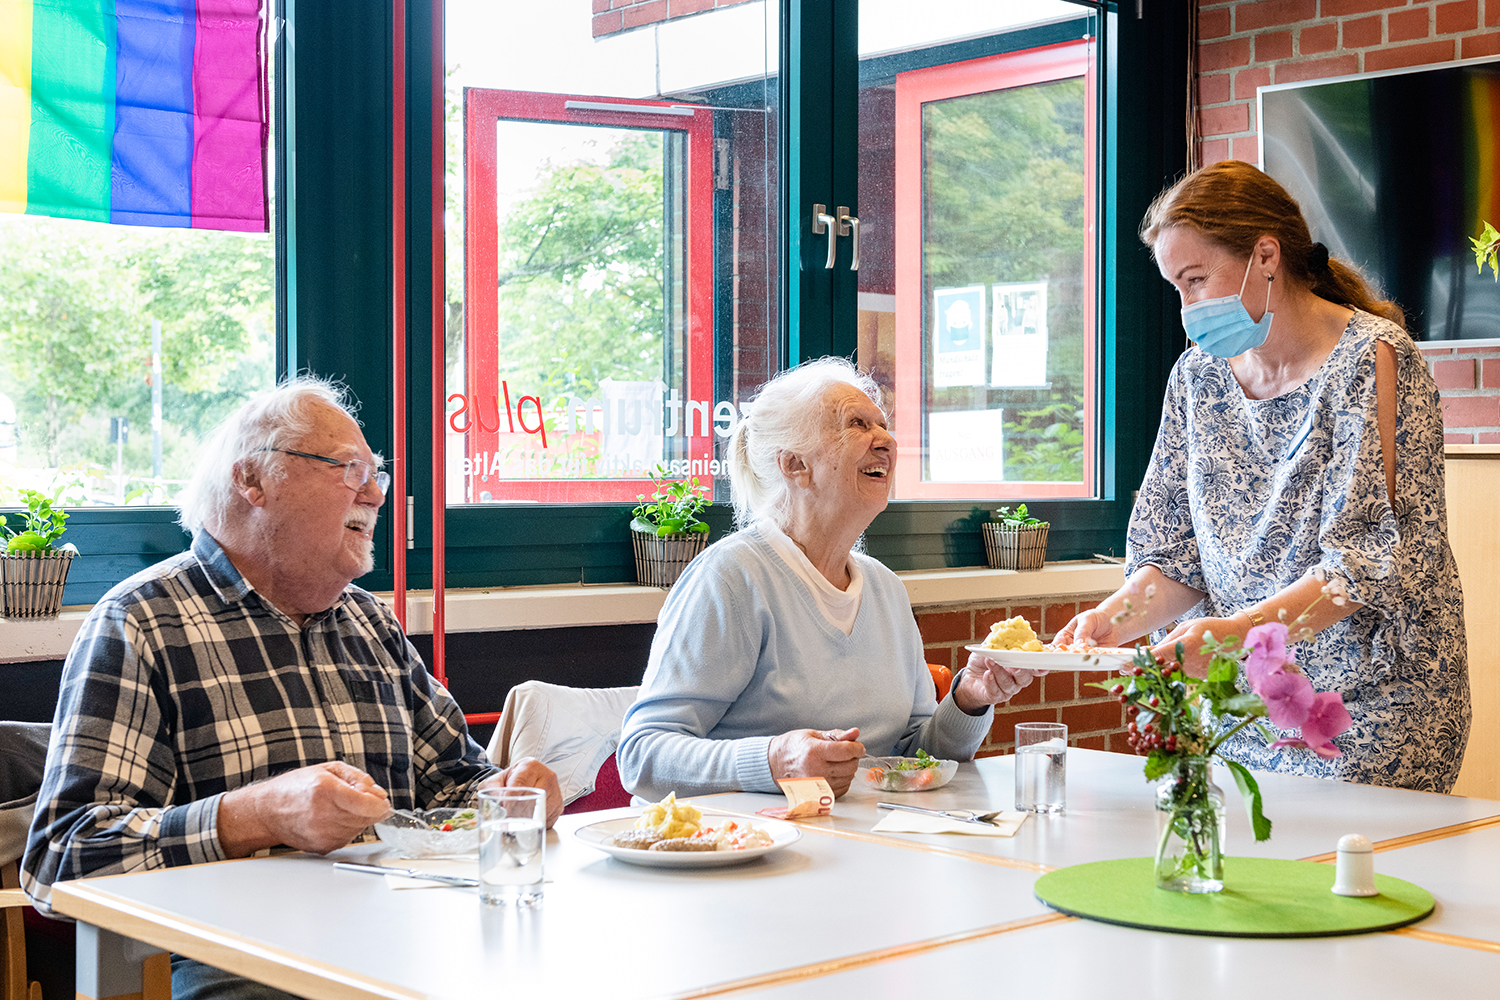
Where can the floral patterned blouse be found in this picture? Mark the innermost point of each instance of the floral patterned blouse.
(1244, 496)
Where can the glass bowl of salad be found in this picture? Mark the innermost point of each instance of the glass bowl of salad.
(921, 773)
(431, 833)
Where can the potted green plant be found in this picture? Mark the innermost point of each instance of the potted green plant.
(666, 530)
(1013, 539)
(33, 567)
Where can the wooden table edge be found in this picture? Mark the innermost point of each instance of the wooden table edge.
(221, 949)
(1424, 837)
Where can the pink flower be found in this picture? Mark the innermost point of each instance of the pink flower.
(1289, 697)
(1326, 719)
(1268, 654)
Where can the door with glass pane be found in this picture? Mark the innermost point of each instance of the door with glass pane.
(994, 275)
(588, 327)
(976, 303)
(612, 266)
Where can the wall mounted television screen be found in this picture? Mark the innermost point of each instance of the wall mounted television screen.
(1395, 172)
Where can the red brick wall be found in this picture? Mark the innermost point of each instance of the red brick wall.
(1245, 44)
(611, 16)
(1469, 379)
(1095, 720)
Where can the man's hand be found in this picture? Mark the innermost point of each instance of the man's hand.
(986, 683)
(808, 753)
(528, 772)
(318, 808)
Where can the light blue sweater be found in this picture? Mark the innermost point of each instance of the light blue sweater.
(742, 654)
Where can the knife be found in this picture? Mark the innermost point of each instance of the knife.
(935, 812)
(407, 873)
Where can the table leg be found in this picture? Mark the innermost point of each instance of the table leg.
(112, 967)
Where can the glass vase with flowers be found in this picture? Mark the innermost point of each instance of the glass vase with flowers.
(1180, 723)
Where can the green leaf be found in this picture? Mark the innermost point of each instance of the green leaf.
(1487, 250)
(1221, 671)
(1251, 793)
(1243, 704)
(1158, 763)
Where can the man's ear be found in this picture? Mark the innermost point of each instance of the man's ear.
(247, 483)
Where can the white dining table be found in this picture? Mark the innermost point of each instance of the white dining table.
(842, 911)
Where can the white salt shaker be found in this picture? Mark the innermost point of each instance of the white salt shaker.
(1355, 872)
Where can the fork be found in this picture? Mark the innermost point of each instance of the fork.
(986, 818)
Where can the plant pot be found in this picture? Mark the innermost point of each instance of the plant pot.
(1009, 547)
(31, 583)
(660, 559)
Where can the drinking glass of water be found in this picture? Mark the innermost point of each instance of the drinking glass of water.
(512, 840)
(1041, 766)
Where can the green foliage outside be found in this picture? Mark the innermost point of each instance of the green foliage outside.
(581, 264)
(76, 305)
(1004, 195)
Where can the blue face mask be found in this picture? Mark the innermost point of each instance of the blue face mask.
(1223, 327)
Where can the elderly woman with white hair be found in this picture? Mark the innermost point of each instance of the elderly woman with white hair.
(782, 652)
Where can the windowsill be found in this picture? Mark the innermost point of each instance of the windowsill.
(504, 609)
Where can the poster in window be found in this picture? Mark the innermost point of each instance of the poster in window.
(964, 446)
(958, 336)
(1020, 336)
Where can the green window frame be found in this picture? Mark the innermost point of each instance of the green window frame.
(334, 301)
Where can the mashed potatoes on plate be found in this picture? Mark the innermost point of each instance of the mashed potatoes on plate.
(1013, 633)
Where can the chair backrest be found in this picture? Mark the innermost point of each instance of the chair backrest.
(23, 759)
(608, 793)
(572, 730)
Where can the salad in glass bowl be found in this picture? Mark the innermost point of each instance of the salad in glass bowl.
(431, 833)
(921, 773)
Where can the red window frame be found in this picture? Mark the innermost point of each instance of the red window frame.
(913, 89)
(483, 108)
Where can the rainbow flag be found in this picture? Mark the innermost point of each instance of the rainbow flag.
(136, 112)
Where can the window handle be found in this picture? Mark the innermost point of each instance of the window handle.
(848, 224)
(825, 223)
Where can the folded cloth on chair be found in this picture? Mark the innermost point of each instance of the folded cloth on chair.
(571, 730)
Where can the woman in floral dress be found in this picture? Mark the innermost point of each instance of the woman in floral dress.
(1301, 440)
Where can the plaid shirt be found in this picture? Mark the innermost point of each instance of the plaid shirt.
(184, 683)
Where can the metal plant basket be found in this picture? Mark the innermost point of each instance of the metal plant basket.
(1015, 547)
(660, 559)
(32, 583)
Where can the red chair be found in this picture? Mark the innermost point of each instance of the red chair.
(608, 793)
(942, 679)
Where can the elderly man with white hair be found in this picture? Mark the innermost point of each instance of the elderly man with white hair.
(243, 694)
(782, 652)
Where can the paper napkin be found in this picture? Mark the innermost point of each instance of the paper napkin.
(1004, 825)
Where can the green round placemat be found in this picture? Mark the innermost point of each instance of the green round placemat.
(1262, 897)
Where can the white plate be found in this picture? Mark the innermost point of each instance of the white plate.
(1103, 658)
(598, 835)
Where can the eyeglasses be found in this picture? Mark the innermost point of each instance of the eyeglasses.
(357, 471)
